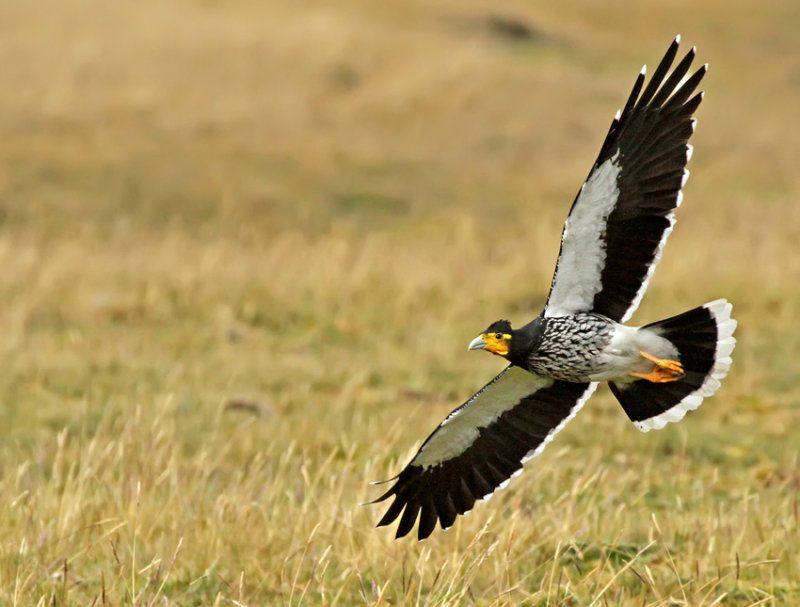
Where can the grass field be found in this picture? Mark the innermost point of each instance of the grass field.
(244, 246)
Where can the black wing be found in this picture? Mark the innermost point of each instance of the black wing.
(621, 218)
(479, 447)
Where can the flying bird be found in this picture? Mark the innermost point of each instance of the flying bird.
(610, 245)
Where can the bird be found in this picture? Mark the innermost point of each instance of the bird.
(611, 242)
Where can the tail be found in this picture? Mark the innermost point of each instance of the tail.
(704, 340)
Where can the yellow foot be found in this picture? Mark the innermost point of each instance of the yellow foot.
(664, 370)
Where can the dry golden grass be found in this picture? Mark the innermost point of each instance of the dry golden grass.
(244, 245)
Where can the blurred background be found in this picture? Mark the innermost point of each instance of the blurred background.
(243, 246)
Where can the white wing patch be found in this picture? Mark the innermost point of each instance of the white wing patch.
(460, 429)
(583, 251)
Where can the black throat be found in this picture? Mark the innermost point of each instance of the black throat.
(525, 341)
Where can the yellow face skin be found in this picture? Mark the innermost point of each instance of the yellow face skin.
(496, 343)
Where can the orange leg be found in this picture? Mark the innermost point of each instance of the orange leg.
(664, 370)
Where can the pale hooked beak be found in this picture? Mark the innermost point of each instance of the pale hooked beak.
(477, 343)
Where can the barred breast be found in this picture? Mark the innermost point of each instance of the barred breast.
(571, 346)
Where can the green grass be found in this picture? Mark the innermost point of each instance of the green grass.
(243, 248)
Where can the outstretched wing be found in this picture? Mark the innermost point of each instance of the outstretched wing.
(623, 214)
(480, 446)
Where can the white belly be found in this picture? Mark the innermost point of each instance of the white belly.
(622, 355)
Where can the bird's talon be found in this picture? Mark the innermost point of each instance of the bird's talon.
(665, 370)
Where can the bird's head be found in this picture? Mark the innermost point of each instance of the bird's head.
(495, 339)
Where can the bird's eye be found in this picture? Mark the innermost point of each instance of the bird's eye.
(498, 336)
